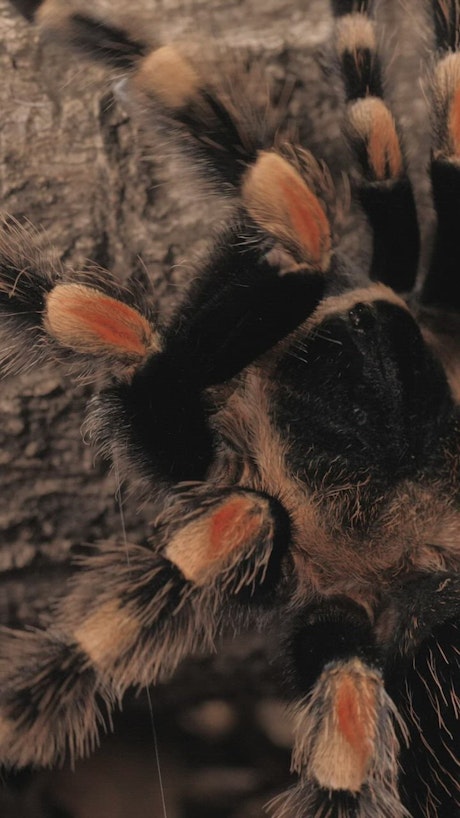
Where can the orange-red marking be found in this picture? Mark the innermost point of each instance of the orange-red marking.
(119, 328)
(454, 122)
(307, 217)
(384, 147)
(355, 711)
(87, 320)
(232, 526)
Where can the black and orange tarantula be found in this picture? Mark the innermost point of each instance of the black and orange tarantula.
(299, 431)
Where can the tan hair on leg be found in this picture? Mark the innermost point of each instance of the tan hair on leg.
(371, 123)
(168, 76)
(90, 322)
(281, 203)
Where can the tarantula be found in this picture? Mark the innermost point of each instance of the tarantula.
(299, 432)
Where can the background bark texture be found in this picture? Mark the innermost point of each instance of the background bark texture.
(74, 164)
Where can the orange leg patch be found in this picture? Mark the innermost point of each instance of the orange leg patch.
(454, 124)
(345, 739)
(203, 547)
(355, 714)
(231, 527)
(371, 123)
(93, 323)
(279, 200)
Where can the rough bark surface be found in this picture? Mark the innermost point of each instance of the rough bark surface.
(74, 164)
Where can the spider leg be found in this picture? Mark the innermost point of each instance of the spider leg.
(421, 630)
(86, 321)
(440, 303)
(383, 185)
(345, 748)
(239, 309)
(440, 287)
(130, 616)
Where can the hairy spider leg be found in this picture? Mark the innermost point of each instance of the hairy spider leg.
(440, 287)
(345, 747)
(214, 557)
(383, 185)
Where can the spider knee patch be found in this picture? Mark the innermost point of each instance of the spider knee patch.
(230, 530)
(166, 75)
(281, 203)
(89, 322)
(345, 738)
(372, 133)
(348, 732)
(355, 33)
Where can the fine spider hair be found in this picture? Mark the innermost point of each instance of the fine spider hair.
(297, 429)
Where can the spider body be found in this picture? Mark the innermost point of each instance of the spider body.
(298, 428)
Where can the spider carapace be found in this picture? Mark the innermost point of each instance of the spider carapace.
(296, 422)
